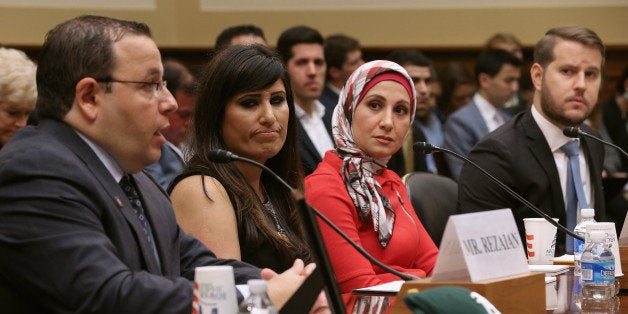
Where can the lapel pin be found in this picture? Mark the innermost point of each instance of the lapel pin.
(118, 201)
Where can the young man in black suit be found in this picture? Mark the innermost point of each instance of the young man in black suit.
(526, 152)
(301, 48)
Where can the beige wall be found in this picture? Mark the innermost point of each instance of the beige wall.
(182, 24)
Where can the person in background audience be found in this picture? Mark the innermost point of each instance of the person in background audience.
(510, 43)
(240, 35)
(342, 55)
(246, 107)
(505, 41)
(528, 153)
(353, 188)
(426, 126)
(458, 87)
(18, 92)
(615, 119)
(301, 48)
(436, 89)
(86, 230)
(497, 73)
(182, 85)
(614, 128)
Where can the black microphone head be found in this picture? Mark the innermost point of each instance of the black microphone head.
(423, 147)
(572, 132)
(221, 156)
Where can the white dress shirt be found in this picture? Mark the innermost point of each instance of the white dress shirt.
(315, 128)
(492, 117)
(556, 139)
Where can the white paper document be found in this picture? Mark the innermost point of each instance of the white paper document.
(549, 270)
(385, 288)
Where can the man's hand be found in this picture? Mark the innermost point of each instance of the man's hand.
(282, 286)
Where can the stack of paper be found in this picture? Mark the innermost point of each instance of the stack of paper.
(549, 270)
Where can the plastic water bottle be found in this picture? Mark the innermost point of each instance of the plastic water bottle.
(598, 275)
(258, 302)
(587, 215)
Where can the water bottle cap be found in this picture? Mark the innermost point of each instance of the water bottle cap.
(597, 235)
(587, 212)
(257, 285)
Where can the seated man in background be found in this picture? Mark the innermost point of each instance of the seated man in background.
(342, 55)
(426, 126)
(301, 48)
(614, 129)
(457, 88)
(85, 229)
(530, 152)
(240, 35)
(182, 85)
(18, 91)
(497, 73)
(615, 112)
(510, 43)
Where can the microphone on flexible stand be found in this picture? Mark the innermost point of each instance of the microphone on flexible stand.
(578, 133)
(312, 231)
(428, 148)
(223, 156)
(305, 296)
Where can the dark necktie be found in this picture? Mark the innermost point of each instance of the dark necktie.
(128, 186)
(575, 191)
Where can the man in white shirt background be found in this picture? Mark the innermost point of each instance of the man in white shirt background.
(301, 48)
(497, 73)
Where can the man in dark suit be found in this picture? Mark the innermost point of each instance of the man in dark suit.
(343, 56)
(70, 237)
(301, 48)
(526, 154)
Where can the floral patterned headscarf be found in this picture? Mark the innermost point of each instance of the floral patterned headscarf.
(358, 168)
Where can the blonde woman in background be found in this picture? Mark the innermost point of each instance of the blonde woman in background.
(18, 91)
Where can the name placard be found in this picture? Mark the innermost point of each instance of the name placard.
(480, 246)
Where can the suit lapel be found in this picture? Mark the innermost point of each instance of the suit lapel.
(545, 159)
(307, 145)
(480, 126)
(327, 117)
(74, 143)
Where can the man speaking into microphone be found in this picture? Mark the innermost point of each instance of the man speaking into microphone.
(530, 153)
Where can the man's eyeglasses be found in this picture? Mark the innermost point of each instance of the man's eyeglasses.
(155, 86)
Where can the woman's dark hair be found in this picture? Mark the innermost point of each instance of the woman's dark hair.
(232, 71)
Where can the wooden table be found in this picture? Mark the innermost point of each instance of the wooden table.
(566, 295)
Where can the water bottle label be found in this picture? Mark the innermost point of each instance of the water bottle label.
(578, 246)
(598, 272)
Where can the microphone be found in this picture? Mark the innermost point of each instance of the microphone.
(577, 133)
(427, 148)
(223, 156)
(304, 296)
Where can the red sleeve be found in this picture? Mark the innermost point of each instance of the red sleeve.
(426, 260)
(325, 191)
